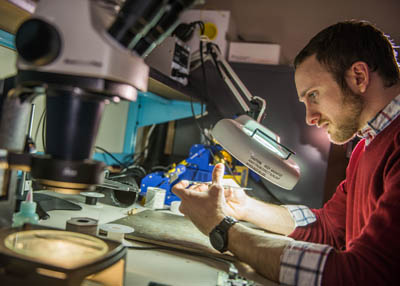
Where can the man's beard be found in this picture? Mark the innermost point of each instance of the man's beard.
(345, 128)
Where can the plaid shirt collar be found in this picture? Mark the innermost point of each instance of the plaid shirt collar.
(381, 120)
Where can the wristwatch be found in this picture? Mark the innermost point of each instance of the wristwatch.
(219, 235)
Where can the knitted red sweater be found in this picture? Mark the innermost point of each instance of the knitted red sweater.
(362, 220)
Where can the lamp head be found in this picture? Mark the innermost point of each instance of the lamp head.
(259, 149)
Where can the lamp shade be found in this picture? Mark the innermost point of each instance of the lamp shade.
(259, 149)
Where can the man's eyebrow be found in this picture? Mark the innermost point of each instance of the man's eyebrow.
(303, 94)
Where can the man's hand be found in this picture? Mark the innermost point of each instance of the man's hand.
(204, 205)
(238, 203)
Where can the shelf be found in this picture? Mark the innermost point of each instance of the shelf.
(12, 15)
(166, 87)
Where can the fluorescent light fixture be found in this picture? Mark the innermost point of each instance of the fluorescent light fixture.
(259, 149)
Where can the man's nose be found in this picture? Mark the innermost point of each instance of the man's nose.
(312, 117)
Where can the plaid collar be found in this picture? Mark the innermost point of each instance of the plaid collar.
(381, 120)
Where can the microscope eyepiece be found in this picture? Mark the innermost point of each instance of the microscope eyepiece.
(38, 42)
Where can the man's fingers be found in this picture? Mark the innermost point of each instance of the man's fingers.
(218, 174)
(179, 188)
(199, 188)
(182, 184)
(228, 192)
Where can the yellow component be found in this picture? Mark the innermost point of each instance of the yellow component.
(132, 211)
(170, 171)
(210, 30)
(240, 175)
(143, 201)
(227, 157)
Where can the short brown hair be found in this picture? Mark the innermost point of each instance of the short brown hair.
(340, 45)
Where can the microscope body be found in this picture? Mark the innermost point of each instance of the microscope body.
(82, 55)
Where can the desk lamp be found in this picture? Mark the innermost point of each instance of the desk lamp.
(246, 138)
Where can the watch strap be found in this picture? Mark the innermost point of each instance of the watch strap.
(221, 230)
(226, 223)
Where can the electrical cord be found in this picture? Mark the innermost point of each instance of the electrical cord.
(134, 170)
(44, 133)
(40, 122)
(204, 91)
(138, 156)
(160, 168)
(112, 156)
(203, 39)
(147, 142)
(201, 128)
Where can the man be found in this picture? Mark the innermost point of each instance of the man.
(348, 79)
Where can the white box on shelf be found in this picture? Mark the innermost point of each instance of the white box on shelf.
(257, 53)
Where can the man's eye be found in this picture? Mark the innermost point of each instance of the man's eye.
(312, 95)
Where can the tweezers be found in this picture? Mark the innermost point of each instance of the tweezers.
(224, 186)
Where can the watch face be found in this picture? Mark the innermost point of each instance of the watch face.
(217, 240)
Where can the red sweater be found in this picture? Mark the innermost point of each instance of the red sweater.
(362, 220)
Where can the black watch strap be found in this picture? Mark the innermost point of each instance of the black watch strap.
(226, 223)
(219, 235)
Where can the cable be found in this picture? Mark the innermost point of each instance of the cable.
(38, 126)
(44, 133)
(204, 91)
(160, 168)
(200, 24)
(147, 142)
(112, 156)
(134, 170)
(203, 39)
(203, 69)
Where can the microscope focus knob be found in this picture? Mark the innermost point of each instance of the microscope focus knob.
(38, 42)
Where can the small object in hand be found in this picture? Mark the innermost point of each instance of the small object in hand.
(224, 186)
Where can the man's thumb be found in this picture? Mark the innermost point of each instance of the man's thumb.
(218, 174)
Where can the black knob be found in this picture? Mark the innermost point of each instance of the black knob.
(92, 197)
(38, 42)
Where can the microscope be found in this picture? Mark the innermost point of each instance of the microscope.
(82, 55)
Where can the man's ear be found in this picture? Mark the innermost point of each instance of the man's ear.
(358, 77)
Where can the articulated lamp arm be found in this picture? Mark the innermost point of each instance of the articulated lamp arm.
(257, 108)
(245, 137)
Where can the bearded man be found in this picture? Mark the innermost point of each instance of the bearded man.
(348, 78)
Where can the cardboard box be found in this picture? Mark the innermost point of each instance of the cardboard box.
(257, 53)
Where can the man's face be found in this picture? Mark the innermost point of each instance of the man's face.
(327, 105)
